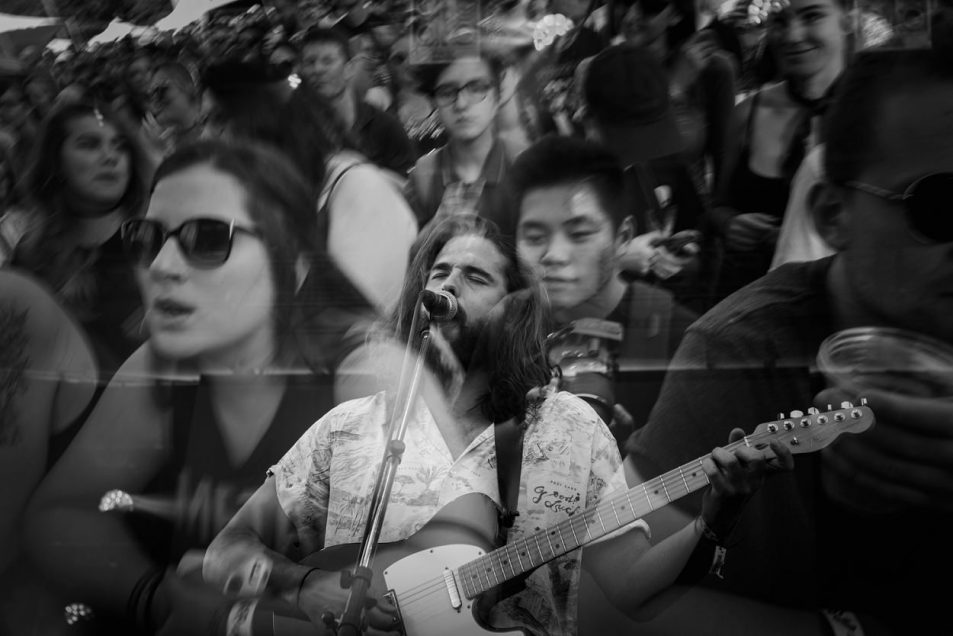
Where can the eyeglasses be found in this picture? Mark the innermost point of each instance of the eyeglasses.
(928, 204)
(159, 92)
(474, 92)
(204, 242)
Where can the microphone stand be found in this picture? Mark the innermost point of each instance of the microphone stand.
(358, 581)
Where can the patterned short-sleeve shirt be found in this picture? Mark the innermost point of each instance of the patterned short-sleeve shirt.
(570, 462)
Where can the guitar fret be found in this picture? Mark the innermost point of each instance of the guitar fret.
(575, 539)
(542, 558)
(664, 489)
(682, 475)
(618, 520)
(647, 498)
(519, 558)
(550, 541)
(506, 552)
(466, 573)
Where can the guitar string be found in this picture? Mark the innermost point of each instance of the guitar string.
(674, 479)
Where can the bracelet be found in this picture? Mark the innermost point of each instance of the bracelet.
(843, 623)
(301, 586)
(708, 557)
(706, 530)
(139, 604)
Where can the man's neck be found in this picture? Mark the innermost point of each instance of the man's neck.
(457, 412)
(847, 309)
(345, 105)
(599, 305)
(468, 157)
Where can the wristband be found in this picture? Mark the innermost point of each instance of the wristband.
(843, 623)
(708, 557)
(139, 605)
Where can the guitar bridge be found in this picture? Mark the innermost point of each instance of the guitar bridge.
(451, 584)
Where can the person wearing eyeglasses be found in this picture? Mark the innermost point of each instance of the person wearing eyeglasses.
(805, 559)
(464, 176)
(236, 292)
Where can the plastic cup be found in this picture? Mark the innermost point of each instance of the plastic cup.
(887, 360)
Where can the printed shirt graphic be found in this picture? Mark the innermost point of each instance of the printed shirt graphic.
(570, 462)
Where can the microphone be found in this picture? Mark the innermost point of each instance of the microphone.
(441, 305)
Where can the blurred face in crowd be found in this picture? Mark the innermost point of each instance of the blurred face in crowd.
(172, 105)
(139, 73)
(96, 163)
(323, 67)
(220, 316)
(41, 92)
(471, 268)
(14, 109)
(568, 238)
(573, 9)
(809, 36)
(897, 273)
(467, 99)
(643, 28)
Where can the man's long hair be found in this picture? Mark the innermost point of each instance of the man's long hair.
(512, 349)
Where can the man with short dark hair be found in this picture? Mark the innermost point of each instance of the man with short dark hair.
(324, 61)
(574, 226)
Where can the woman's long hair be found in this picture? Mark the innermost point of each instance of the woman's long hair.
(48, 248)
(512, 350)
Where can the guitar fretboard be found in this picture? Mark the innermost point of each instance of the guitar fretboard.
(527, 553)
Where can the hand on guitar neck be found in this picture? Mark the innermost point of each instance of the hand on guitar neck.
(737, 474)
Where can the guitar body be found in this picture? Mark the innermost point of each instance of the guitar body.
(414, 571)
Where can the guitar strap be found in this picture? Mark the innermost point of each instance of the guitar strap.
(509, 460)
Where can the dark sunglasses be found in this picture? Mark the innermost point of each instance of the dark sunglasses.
(204, 242)
(927, 203)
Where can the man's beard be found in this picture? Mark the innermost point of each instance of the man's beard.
(467, 344)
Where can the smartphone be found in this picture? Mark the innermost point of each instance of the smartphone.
(677, 242)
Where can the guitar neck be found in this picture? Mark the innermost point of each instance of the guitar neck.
(799, 432)
(617, 511)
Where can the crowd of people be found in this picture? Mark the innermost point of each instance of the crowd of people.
(517, 294)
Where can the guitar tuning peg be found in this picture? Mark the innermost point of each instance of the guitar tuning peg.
(796, 414)
(830, 408)
(863, 401)
(813, 411)
(846, 405)
(781, 416)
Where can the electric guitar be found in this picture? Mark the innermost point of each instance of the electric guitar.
(438, 576)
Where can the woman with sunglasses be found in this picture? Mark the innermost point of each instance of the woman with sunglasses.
(228, 379)
(87, 175)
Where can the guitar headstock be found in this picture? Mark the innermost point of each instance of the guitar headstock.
(811, 431)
